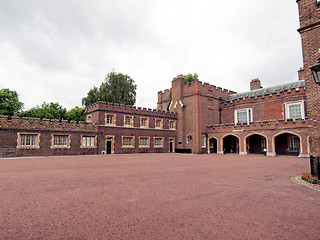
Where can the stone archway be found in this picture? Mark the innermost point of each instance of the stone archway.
(230, 144)
(287, 144)
(213, 145)
(256, 144)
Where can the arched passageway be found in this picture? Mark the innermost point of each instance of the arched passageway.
(287, 144)
(213, 145)
(256, 144)
(230, 144)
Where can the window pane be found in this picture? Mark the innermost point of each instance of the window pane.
(33, 140)
(55, 140)
(65, 140)
(294, 111)
(92, 141)
(242, 116)
(203, 141)
(23, 140)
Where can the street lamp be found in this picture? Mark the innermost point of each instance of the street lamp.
(315, 69)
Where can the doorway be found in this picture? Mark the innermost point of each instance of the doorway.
(109, 146)
(213, 145)
(171, 145)
(230, 144)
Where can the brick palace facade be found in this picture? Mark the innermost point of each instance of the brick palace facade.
(190, 118)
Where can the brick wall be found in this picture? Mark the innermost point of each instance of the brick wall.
(10, 130)
(309, 16)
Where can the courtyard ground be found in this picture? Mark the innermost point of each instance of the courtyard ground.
(157, 196)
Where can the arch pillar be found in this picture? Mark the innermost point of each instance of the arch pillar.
(271, 150)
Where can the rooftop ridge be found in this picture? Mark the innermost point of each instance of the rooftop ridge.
(267, 91)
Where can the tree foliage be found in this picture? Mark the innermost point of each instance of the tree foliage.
(9, 102)
(116, 88)
(46, 110)
(75, 114)
(189, 78)
(54, 111)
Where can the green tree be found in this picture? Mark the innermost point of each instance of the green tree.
(189, 78)
(9, 102)
(116, 88)
(92, 97)
(75, 114)
(46, 110)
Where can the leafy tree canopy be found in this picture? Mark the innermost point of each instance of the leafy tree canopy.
(46, 110)
(189, 78)
(75, 114)
(9, 102)
(116, 88)
(54, 111)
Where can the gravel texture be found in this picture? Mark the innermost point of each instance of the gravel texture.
(157, 196)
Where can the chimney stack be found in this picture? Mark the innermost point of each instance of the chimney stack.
(255, 84)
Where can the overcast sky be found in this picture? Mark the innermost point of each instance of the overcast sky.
(55, 51)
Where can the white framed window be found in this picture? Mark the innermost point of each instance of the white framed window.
(158, 142)
(243, 115)
(295, 110)
(203, 141)
(88, 141)
(188, 138)
(61, 140)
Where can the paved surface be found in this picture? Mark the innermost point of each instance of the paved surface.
(157, 196)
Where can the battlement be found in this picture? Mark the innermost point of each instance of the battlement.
(115, 107)
(46, 124)
(206, 88)
(264, 95)
(259, 125)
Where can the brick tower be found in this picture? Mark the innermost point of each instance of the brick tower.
(309, 16)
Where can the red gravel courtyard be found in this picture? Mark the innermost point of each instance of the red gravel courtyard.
(157, 196)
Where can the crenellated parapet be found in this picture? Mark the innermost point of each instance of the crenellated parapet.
(259, 125)
(46, 124)
(121, 108)
(197, 87)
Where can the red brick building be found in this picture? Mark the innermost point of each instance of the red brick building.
(264, 120)
(127, 129)
(309, 16)
(195, 118)
(48, 137)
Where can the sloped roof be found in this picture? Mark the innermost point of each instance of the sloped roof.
(267, 91)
